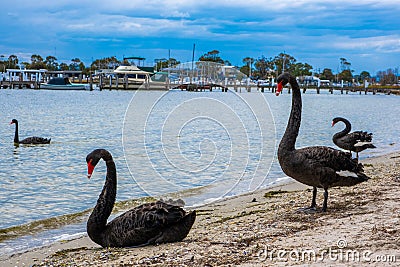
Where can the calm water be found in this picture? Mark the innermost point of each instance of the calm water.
(205, 145)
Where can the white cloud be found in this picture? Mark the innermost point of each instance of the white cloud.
(301, 27)
(175, 14)
(381, 44)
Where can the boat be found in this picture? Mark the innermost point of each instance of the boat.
(135, 78)
(133, 73)
(60, 83)
(158, 81)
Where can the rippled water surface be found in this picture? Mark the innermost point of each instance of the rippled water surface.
(173, 141)
(47, 180)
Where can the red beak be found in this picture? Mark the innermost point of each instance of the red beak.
(333, 123)
(279, 89)
(11, 122)
(90, 169)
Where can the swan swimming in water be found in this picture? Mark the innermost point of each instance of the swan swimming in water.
(34, 140)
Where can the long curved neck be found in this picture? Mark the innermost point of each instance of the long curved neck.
(344, 131)
(16, 136)
(98, 219)
(292, 129)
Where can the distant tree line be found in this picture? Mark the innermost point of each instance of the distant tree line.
(256, 68)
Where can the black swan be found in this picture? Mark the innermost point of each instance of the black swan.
(34, 140)
(316, 166)
(356, 141)
(150, 223)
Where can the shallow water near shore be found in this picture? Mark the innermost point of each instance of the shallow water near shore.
(42, 182)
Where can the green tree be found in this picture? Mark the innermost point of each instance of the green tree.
(165, 63)
(76, 64)
(283, 62)
(172, 62)
(344, 64)
(108, 63)
(387, 77)
(112, 62)
(212, 56)
(248, 67)
(64, 66)
(263, 67)
(2, 63)
(37, 62)
(81, 66)
(26, 65)
(327, 75)
(346, 75)
(300, 69)
(126, 62)
(51, 63)
(12, 62)
(245, 70)
(364, 75)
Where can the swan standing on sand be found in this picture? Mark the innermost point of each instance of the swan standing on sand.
(34, 140)
(316, 166)
(150, 223)
(356, 141)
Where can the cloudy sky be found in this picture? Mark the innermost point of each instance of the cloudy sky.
(320, 32)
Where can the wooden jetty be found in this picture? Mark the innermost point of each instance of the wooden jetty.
(193, 87)
(19, 79)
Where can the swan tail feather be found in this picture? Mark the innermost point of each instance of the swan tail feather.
(179, 230)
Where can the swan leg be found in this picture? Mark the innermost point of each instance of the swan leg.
(314, 196)
(313, 206)
(325, 200)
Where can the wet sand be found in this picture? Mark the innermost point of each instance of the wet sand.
(361, 227)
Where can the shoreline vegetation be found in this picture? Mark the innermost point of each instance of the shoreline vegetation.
(362, 225)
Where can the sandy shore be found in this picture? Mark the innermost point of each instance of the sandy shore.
(361, 227)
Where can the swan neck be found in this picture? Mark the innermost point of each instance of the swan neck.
(345, 131)
(98, 219)
(292, 129)
(16, 136)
